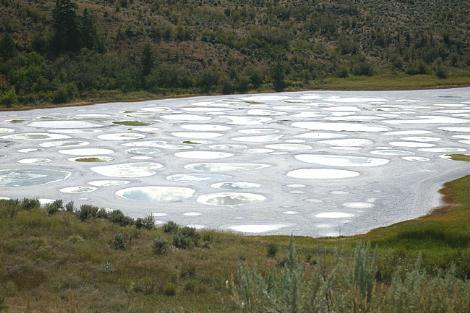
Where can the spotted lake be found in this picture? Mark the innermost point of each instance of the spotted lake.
(306, 163)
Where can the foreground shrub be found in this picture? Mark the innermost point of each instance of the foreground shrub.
(160, 246)
(117, 217)
(119, 242)
(69, 207)
(186, 238)
(349, 287)
(272, 250)
(54, 207)
(170, 227)
(146, 223)
(87, 212)
(28, 204)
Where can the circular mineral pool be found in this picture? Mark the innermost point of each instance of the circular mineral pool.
(340, 160)
(230, 198)
(156, 193)
(321, 173)
(225, 167)
(30, 177)
(128, 170)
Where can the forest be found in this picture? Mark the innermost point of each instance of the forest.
(65, 50)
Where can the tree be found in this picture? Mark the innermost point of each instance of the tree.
(66, 37)
(88, 35)
(277, 76)
(7, 47)
(147, 60)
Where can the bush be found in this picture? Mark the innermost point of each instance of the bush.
(208, 80)
(272, 250)
(170, 227)
(54, 207)
(9, 99)
(342, 72)
(363, 69)
(147, 223)
(87, 212)
(160, 246)
(102, 213)
(186, 238)
(69, 206)
(277, 76)
(119, 242)
(28, 204)
(416, 68)
(181, 241)
(441, 72)
(117, 217)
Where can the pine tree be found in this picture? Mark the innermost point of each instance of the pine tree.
(66, 34)
(88, 34)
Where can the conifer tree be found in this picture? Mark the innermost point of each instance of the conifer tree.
(66, 33)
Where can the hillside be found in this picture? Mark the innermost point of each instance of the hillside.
(105, 49)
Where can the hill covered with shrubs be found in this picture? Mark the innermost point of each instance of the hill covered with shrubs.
(58, 51)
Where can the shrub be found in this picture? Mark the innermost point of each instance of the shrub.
(363, 69)
(69, 206)
(170, 227)
(416, 68)
(277, 76)
(102, 213)
(349, 285)
(9, 99)
(160, 246)
(272, 250)
(342, 72)
(147, 223)
(186, 238)
(28, 204)
(117, 217)
(180, 241)
(119, 242)
(441, 72)
(54, 207)
(87, 212)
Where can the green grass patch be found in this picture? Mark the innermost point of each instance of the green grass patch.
(130, 123)
(395, 82)
(460, 157)
(92, 159)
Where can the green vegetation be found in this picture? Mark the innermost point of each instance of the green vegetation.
(130, 123)
(348, 286)
(61, 51)
(460, 157)
(89, 259)
(90, 159)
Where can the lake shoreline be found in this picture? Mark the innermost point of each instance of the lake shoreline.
(128, 98)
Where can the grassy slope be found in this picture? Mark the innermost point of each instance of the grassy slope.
(394, 82)
(57, 263)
